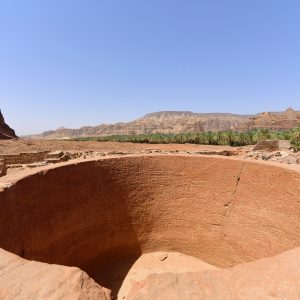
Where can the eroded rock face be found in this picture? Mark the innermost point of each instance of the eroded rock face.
(5, 131)
(22, 279)
(182, 122)
(222, 211)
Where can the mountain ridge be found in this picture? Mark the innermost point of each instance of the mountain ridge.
(182, 121)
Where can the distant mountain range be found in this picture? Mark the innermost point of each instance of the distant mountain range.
(183, 121)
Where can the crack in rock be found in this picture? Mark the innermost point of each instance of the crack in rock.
(238, 178)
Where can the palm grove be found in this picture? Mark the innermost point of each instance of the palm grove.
(230, 138)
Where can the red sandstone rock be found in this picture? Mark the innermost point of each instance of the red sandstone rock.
(223, 211)
(22, 279)
(271, 278)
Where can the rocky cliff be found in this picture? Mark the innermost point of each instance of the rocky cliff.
(5, 131)
(273, 120)
(184, 121)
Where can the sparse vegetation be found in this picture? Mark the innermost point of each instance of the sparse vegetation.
(295, 138)
(230, 138)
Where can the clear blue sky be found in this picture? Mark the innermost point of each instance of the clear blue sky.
(72, 63)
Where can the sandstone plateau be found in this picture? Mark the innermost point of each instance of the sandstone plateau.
(182, 122)
(125, 221)
(5, 131)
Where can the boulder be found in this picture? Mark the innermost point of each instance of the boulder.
(272, 145)
(290, 160)
(55, 154)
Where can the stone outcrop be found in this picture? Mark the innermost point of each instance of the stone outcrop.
(272, 278)
(22, 279)
(92, 213)
(6, 132)
(182, 122)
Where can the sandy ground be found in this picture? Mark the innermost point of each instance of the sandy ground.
(17, 146)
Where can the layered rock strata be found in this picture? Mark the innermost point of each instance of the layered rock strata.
(183, 122)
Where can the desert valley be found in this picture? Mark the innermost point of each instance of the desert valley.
(149, 150)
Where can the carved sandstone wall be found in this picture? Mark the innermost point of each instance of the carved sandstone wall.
(221, 210)
(24, 158)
